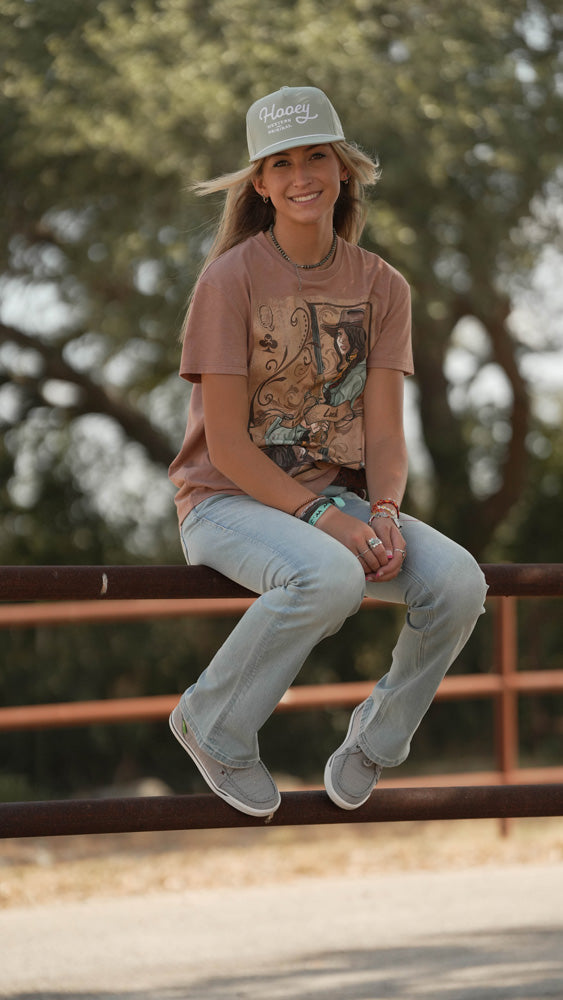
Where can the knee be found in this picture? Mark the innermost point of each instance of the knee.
(464, 587)
(341, 583)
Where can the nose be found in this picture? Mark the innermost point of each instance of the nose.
(301, 174)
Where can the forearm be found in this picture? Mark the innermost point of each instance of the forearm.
(385, 446)
(254, 473)
(233, 452)
(387, 469)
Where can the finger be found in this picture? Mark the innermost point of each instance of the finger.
(393, 568)
(371, 563)
(374, 553)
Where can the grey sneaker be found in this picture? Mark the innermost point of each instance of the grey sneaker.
(350, 776)
(251, 790)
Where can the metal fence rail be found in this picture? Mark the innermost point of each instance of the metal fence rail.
(206, 588)
(87, 583)
(202, 812)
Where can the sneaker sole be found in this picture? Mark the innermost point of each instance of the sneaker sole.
(236, 803)
(330, 789)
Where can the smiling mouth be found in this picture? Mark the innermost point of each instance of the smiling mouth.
(301, 199)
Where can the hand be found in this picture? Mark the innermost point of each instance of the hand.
(380, 546)
(394, 546)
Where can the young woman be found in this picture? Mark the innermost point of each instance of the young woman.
(294, 464)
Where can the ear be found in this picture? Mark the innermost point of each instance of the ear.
(259, 186)
(344, 173)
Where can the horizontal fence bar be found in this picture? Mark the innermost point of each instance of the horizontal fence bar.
(202, 812)
(302, 697)
(51, 613)
(86, 583)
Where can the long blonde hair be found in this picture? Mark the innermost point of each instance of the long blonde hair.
(246, 214)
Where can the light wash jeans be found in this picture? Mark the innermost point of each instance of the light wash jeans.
(309, 585)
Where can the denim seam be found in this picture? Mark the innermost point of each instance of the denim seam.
(384, 706)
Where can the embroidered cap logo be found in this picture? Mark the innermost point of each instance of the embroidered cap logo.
(292, 116)
(302, 114)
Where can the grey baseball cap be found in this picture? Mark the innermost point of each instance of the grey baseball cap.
(292, 116)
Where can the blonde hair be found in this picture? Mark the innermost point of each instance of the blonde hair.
(245, 213)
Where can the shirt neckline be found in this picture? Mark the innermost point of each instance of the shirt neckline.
(308, 275)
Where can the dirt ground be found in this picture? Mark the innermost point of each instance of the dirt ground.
(68, 869)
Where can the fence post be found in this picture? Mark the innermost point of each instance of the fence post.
(506, 706)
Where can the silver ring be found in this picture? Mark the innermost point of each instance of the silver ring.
(360, 554)
(402, 551)
(374, 542)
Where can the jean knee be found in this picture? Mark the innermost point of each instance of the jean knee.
(465, 589)
(334, 582)
(347, 583)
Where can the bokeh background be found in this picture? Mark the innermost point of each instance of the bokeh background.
(109, 111)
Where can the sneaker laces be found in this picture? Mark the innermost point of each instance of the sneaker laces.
(366, 762)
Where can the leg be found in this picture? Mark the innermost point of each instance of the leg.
(444, 590)
(309, 585)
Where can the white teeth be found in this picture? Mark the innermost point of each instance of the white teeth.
(305, 197)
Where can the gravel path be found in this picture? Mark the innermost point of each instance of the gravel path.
(447, 911)
(473, 935)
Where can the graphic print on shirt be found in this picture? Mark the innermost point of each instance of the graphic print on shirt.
(306, 379)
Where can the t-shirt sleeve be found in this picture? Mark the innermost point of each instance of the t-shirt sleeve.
(216, 338)
(393, 346)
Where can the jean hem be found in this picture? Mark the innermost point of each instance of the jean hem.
(211, 749)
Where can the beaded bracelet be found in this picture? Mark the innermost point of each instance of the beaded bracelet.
(378, 504)
(385, 508)
(387, 514)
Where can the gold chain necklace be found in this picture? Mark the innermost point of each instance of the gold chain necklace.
(303, 267)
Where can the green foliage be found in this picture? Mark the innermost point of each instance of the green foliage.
(111, 110)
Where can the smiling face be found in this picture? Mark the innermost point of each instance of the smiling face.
(303, 184)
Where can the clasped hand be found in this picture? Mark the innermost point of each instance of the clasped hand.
(380, 547)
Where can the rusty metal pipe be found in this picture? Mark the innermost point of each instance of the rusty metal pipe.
(203, 812)
(32, 583)
(303, 697)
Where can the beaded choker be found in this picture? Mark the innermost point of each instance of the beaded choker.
(303, 267)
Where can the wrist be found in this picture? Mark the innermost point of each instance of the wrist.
(386, 508)
(387, 503)
(312, 512)
(303, 507)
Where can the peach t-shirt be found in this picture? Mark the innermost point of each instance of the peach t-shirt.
(304, 340)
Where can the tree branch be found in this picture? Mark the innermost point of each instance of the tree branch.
(94, 398)
(514, 468)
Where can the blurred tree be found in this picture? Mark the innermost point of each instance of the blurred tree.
(110, 110)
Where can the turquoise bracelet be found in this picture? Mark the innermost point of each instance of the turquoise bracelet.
(319, 511)
(314, 511)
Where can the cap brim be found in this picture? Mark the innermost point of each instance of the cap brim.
(302, 140)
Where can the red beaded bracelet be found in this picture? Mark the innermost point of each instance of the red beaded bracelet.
(379, 504)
